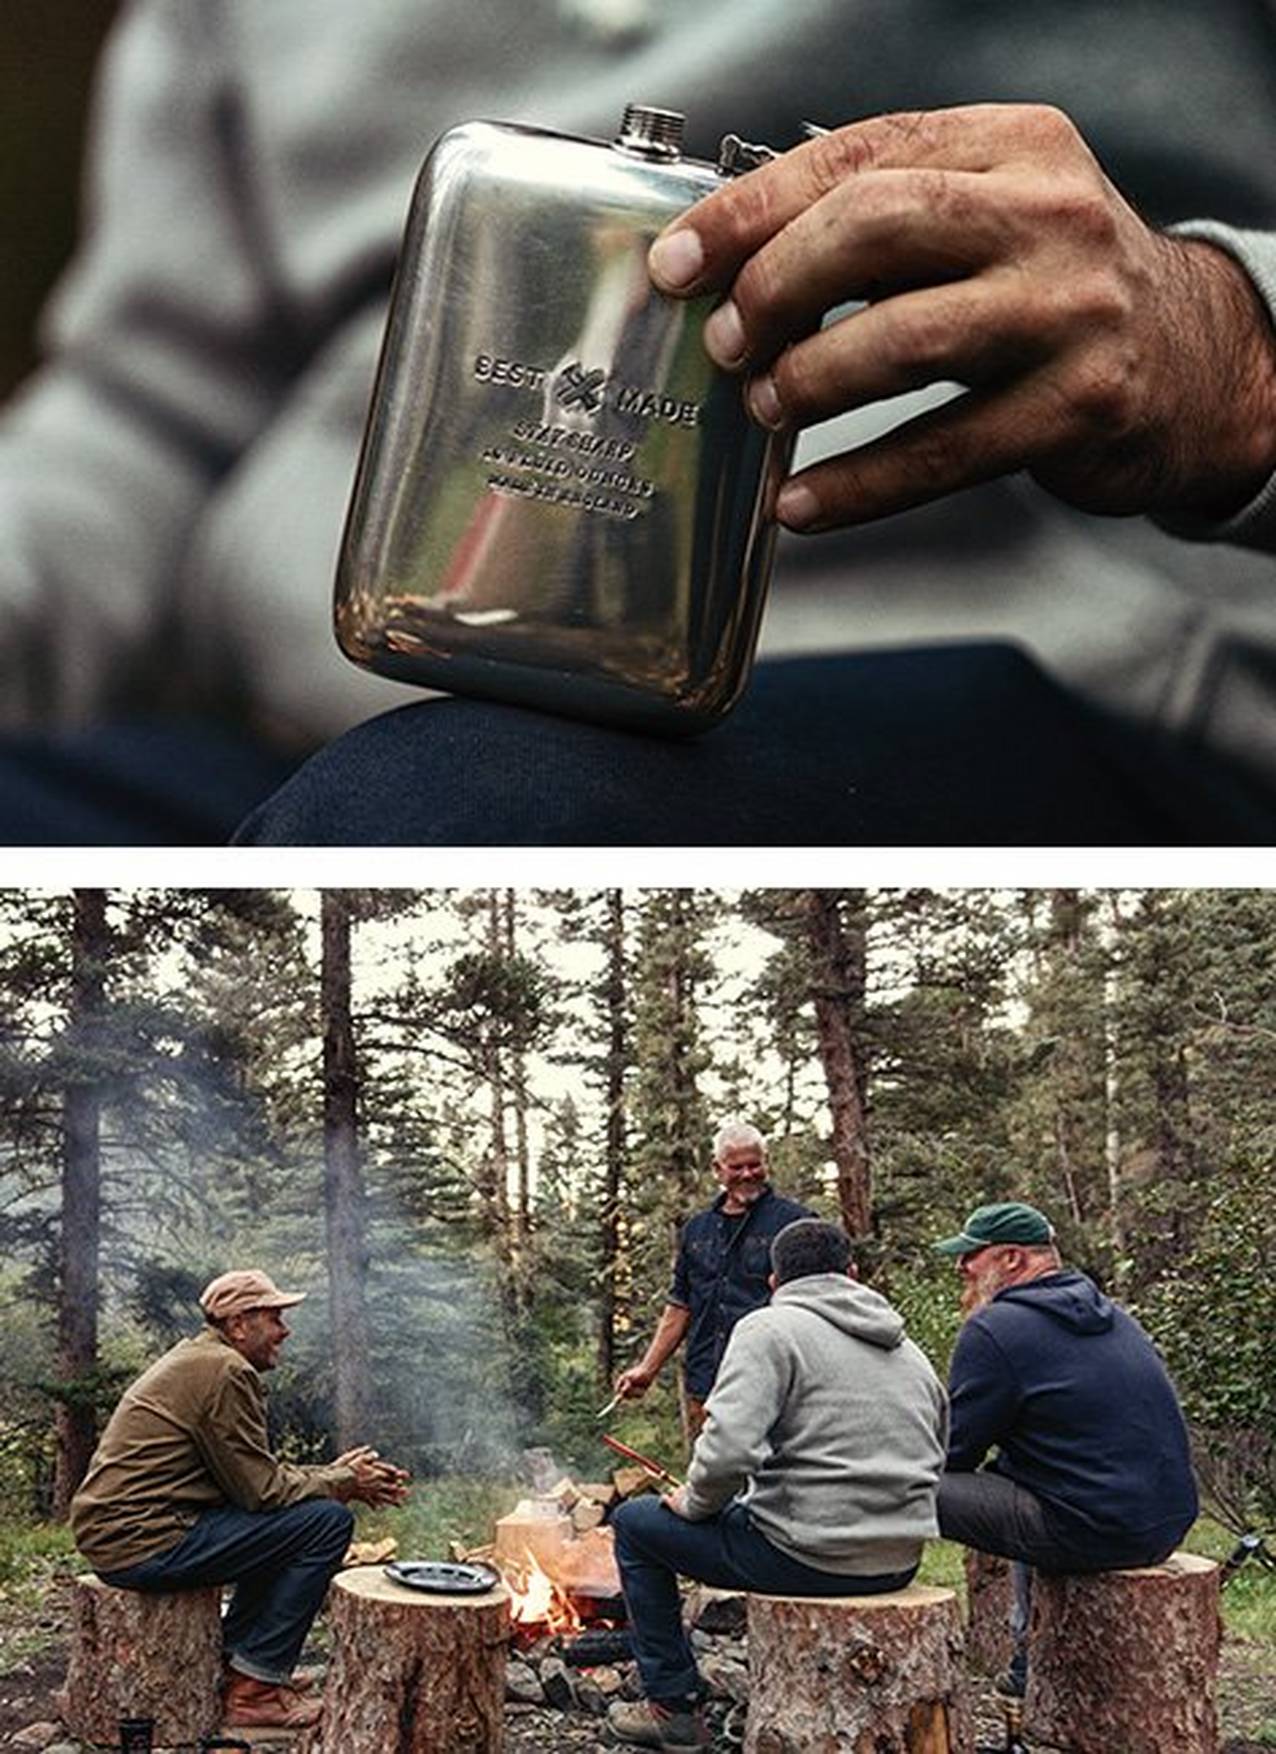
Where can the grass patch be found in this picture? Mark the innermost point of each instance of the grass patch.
(943, 1565)
(28, 1551)
(441, 1511)
(1249, 1601)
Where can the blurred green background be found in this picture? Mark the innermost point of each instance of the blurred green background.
(46, 65)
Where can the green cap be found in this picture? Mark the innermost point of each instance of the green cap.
(1005, 1221)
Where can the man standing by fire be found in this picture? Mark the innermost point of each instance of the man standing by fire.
(815, 1473)
(183, 1492)
(720, 1272)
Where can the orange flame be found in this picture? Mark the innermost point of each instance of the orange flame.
(537, 1602)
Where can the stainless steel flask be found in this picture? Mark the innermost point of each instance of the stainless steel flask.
(560, 501)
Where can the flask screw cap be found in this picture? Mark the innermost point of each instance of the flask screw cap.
(650, 132)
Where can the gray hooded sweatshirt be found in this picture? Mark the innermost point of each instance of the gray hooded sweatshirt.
(835, 1423)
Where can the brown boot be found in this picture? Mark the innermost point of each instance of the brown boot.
(249, 1704)
(301, 1680)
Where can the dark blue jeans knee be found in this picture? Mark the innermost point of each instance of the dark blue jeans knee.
(280, 1562)
(654, 1547)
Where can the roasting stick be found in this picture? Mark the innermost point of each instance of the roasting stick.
(613, 1403)
(644, 1462)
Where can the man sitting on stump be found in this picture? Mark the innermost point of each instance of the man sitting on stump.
(1093, 1470)
(183, 1493)
(815, 1473)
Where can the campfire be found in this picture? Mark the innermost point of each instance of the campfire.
(538, 1605)
(558, 1561)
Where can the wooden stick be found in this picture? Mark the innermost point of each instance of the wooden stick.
(644, 1462)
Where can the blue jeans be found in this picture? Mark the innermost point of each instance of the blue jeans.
(653, 1546)
(280, 1561)
(958, 745)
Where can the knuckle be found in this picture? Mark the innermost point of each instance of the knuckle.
(831, 158)
(849, 151)
(1047, 126)
(1080, 204)
(1102, 301)
(757, 292)
(797, 384)
(931, 459)
(1102, 394)
(917, 340)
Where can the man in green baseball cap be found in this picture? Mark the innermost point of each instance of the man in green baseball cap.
(1042, 1365)
(1006, 1221)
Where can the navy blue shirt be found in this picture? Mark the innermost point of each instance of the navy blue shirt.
(1074, 1395)
(721, 1273)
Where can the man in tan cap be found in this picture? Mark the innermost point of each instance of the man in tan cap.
(183, 1492)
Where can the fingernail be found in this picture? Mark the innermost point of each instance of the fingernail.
(764, 404)
(724, 335)
(796, 506)
(676, 259)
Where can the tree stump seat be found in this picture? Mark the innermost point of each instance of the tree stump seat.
(1126, 1660)
(135, 1654)
(857, 1674)
(989, 1595)
(413, 1673)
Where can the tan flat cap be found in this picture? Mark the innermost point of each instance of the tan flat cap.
(245, 1288)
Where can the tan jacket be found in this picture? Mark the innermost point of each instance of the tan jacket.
(188, 1435)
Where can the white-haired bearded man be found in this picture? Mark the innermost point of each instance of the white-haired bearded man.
(721, 1270)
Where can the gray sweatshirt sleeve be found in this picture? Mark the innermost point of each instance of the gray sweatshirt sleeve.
(158, 375)
(747, 1399)
(1254, 525)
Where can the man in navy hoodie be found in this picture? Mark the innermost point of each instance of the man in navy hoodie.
(1093, 1470)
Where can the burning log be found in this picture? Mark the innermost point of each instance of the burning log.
(857, 1672)
(416, 1673)
(598, 1644)
(135, 1655)
(1126, 1659)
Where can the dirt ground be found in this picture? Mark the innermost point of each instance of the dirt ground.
(32, 1666)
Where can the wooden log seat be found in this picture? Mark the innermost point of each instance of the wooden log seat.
(857, 1674)
(1126, 1660)
(143, 1655)
(989, 1646)
(413, 1673)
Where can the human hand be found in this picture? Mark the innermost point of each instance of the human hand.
(1128, 371)
(376, 1482)
(633, 1383)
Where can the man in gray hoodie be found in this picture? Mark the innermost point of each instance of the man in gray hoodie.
(815, 1474)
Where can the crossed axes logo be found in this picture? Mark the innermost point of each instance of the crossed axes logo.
(578, 388)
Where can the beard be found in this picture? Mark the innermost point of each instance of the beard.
(979, 1290)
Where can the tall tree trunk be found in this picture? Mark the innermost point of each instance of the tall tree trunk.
(343, 1197)
(609, 1220)
(1112, 1096)
(838, 960)
(76, 1425)
(1066, 919)
(521, 1215)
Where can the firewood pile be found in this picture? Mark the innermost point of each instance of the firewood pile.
(555, 1550)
